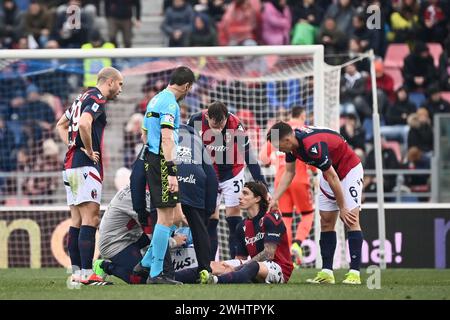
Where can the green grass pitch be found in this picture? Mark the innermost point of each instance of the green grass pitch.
(395, 284)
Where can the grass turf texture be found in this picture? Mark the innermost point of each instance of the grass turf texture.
(395, 284)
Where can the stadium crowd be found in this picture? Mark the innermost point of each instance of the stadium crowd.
(408, 98)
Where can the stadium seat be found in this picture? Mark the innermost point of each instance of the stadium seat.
(395, 55)
(435, 51)
(445, 95)
(396, 75)
(14, 202)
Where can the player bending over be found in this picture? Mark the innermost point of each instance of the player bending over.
(125, 229)
(341, 184)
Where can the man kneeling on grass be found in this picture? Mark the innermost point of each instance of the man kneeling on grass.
(262, 236)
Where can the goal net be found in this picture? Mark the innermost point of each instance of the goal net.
(259, 85)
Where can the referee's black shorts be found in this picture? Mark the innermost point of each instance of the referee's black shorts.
(158, 182)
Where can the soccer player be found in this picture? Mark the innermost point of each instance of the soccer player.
(81, 128)
(126, 227)
(341, 184)
(262, 236)
(160, 133)
(229, 147)
(298, 196)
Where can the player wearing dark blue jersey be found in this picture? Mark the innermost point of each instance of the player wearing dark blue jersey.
(81, 129)
(160, 132)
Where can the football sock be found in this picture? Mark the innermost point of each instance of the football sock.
(212, 232)
(160, 241)
(121, 272)
(189, 275)
(327, 248)
(232, 241)
(86, 245)
(355, 240)
(74, 251)
(244, 275)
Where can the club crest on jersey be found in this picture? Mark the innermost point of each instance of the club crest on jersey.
(94, 194)
(314, 150)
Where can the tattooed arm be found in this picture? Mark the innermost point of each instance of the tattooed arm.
(267, 254)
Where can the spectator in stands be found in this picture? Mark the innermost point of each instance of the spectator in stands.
(334, 40)
(354, 51)
(354, 134)
(435, 104)
(444, 66)
(240, 25)
(399, 111)
(150, 88)
(64, 31)
(353, 86)
(44, 186)
(120, 19)
(342, 13)
(385, 83)
(177, 24)
(9, 23)
(132, 139)
(389, 161)
(13, 117)
(420, 133)
(307, 16)
(38, 23)
(203, 32)
(416, 159)
(276, 23)
(37, 116)
(93, 66)
(433, 18)
(7, 146)
(418, 69)
(216, 9)
(405, 22)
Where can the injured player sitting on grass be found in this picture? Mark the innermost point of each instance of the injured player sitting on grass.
(261, 236)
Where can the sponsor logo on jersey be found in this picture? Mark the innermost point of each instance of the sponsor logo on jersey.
(253, 240)
(217, 148)
(190, 179)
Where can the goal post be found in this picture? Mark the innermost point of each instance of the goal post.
(261, 83)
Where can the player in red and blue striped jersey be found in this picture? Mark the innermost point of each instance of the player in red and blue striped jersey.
(81, 128)
(229, 147)
(341, 181)
(263, 237)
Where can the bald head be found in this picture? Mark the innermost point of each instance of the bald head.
(110, 82)
(108, 73)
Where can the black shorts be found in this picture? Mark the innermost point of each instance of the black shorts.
(157, 178)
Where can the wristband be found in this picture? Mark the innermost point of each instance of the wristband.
(171, 168)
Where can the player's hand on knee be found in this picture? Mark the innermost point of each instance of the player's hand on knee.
(173, 184)
(349, 218)
(93, 155)
(180, 239)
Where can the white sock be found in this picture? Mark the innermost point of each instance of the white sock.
(328, 271)
(86, 273)
(354, 271)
